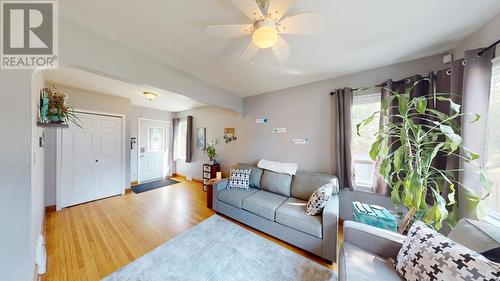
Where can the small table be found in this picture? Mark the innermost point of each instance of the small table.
(209, 172)
(374, 215)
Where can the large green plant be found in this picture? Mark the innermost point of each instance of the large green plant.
(411, 135)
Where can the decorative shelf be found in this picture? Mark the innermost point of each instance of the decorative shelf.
(52, 125)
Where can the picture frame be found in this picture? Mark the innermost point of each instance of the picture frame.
(201, 138)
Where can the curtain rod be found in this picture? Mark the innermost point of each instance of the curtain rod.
(480, 53)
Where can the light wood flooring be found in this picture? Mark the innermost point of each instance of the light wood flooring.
(92, 240)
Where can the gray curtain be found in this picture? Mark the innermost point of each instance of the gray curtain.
(342, 136)
(379, 185)
(189, 138)
(476, 97)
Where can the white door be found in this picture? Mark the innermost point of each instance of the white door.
(91, 159)
(153, 149)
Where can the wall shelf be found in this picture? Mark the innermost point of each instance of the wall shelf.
(52, 125)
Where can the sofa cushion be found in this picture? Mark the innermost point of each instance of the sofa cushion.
(478, 236)
(234, 197)
(305, 183)
(358, 264)
(255, 176)
(292, 214)
(276, 183)
(263, 203)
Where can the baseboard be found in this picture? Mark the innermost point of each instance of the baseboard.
(51, 208)
(183, 176)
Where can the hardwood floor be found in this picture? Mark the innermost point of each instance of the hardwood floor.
(92, 240)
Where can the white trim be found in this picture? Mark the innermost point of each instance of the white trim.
(167, 147)
(59, 164)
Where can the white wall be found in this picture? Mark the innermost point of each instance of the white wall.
(15, 175)
(37, 193)
(137, 112)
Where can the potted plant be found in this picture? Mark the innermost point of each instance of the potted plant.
(58, 111)
(410, 137)
(211, 153)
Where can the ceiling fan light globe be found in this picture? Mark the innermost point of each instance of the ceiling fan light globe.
(265, 34)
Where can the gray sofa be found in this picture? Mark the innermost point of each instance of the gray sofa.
(365, 250)
(275, 204)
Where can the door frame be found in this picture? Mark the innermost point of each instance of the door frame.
(59, 153)
(170, 131)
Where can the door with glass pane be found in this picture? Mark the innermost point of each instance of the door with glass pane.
(154, 138)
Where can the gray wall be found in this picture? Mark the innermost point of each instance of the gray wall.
(486, 35)
(305, 112)
(137, 112)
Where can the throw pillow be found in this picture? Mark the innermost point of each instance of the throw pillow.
(318, 199)
(239, 178)
(428, 255)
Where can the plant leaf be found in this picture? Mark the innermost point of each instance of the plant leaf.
(396, 200)
(403, 104)
(421, 104)
(455, 107)
(387, 101)
(437, 213)
(398, 158)
(375, 149)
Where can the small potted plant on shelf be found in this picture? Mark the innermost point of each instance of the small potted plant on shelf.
(53, 108)
(211, 153)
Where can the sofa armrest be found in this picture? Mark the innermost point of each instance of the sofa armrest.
(381, 242)
(220, 185)
(330, 219)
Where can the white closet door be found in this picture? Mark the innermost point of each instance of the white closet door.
(91, 159)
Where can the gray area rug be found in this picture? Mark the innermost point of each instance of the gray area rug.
(217, 249)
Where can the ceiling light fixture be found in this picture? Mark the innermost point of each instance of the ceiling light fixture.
(150, 95)
(265, 34)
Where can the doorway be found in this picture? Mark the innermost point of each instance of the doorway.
(153, 150)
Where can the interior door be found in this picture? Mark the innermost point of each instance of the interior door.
(154, 139)
(91, 159)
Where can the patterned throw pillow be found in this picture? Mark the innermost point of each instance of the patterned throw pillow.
(239, 178)
(319, 199)
(428, 255)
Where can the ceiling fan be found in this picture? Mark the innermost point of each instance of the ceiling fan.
(267, 26)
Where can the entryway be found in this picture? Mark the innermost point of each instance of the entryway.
(154, 149)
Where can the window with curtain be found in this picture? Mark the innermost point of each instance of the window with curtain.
(364, 167)
(180, 140)
(493, 139)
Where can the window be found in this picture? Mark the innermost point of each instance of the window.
(156, 139)
(364, 167)
(493, 140)
(180, 140)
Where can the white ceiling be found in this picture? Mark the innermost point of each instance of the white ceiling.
(96, 83)
(360, 35)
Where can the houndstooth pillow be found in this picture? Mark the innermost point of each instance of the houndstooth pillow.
(318, 199)
(428, 255)
(239, 178)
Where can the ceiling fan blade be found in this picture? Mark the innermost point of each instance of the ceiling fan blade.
(278, 8)
(249, 52)
(229, 31)
(304, 23)
(250, 8)
(281, 50)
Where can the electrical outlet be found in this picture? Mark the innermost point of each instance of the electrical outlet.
(279, 130)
